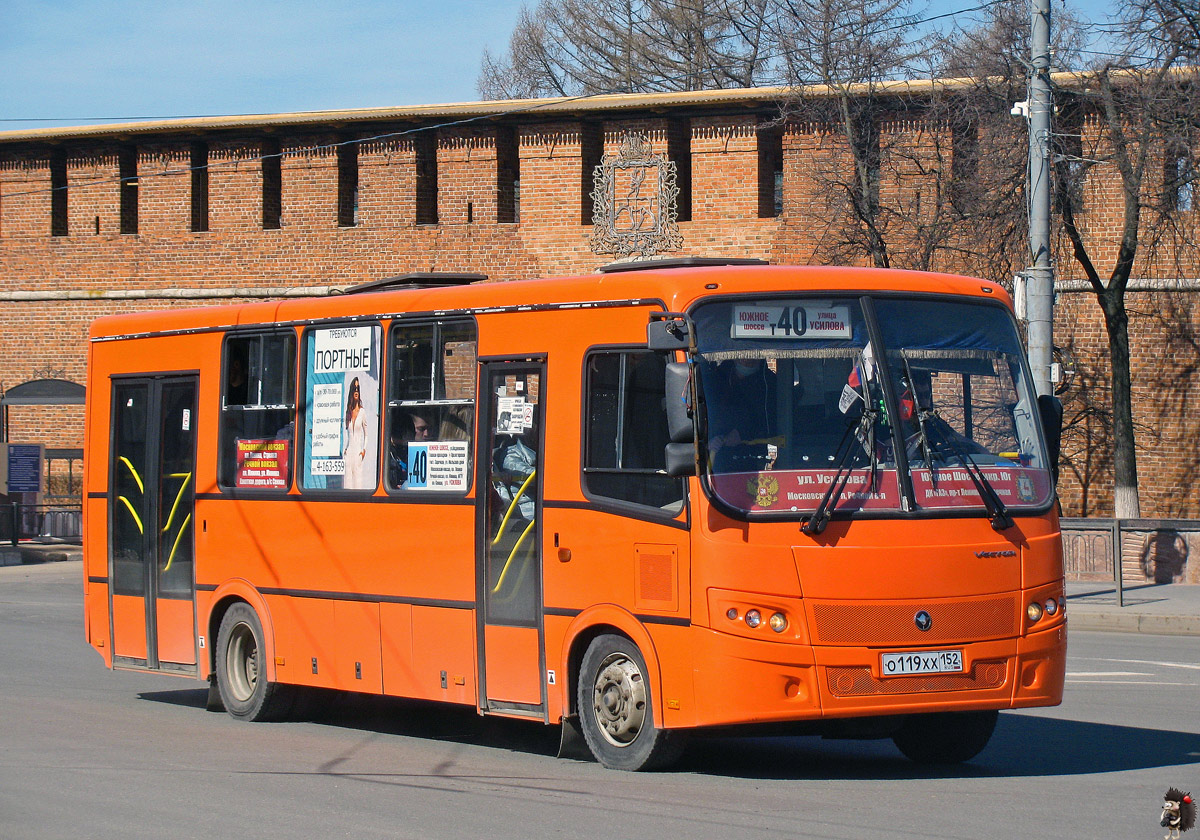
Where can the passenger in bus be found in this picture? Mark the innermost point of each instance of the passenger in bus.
(236, 385)
(407, 427)
(741, 415)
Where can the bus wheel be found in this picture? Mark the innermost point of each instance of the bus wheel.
(945, 737)
(241, 671)
(616, 710)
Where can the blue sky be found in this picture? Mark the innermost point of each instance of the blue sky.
(70, 62)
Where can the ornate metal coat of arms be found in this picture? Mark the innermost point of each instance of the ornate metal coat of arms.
(634, 202)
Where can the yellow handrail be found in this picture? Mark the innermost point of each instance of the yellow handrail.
(187, 478)
(178, 537)
(511, 555)
(512, 506)
(134, 473)
(133, 513)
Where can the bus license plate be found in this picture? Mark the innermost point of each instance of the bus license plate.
(922, 662)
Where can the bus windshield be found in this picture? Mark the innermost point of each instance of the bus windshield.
(807, 407)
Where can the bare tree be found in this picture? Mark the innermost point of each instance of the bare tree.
(579, 47)
(1145, 108)
(849, 48)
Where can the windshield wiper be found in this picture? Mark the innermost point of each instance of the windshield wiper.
(862, 432)
(995, 507)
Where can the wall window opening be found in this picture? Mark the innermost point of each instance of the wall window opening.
(347, 167)
(679, 151)
(128, 175)
(58, 193)
(591, 152)
(425, 146)
(199, 170)
(272, 185)
(770, 171)
(508, 175)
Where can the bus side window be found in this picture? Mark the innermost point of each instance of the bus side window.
(626, 432)
(431, 405)
(258, 412)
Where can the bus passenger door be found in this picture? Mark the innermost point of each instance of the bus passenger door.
(150, 504)
(509, 544)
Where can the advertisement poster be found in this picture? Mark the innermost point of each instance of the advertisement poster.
(263, 464)
(437, 465)
(342, 408)
(513, 415)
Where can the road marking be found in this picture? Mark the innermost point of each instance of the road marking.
(1129, 682)
(1187, 665)
(1071, 674)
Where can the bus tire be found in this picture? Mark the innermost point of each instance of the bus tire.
(241, 669)
(616, 710)
(945, 737)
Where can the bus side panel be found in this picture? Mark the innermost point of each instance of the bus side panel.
(96, 617)
(507, 651)
(606, 558)
(396, 650)
(444, 643)
(179, 646)
(305, 647)
(129, 611)
(95, 506)
(95, 565)
(357, 661)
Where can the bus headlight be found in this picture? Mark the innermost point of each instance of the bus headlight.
(753, 618)
(778, 622)
(1033, 612)
(1051, 606)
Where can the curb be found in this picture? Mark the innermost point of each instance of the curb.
(1116, 622)
(27, 555)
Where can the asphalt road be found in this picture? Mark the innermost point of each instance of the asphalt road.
(89, 753)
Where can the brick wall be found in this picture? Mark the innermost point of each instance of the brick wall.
(311, 249)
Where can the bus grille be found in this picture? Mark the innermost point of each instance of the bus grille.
(892, 624)
(857, 681)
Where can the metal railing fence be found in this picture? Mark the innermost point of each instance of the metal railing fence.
(1095, 549)
(51, 523)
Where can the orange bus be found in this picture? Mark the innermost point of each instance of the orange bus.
(664, 497)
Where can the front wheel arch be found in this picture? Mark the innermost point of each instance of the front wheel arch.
(245, 689)
(618, 707)
(597, 621)
(227, 594)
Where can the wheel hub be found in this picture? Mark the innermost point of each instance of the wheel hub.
(619, 696)
(242, 665)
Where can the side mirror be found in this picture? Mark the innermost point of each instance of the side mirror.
(1051, 411)
(668, 331)
(680, 459)
(678, 402)
(681, 451)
